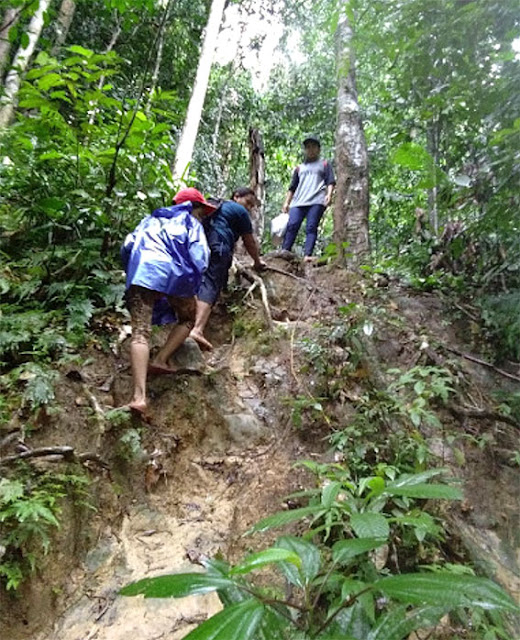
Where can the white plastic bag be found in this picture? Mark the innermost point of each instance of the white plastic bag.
(279, 227)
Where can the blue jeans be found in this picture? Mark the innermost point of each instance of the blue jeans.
(313, 213)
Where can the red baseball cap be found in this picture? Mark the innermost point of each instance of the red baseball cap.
(193, 195)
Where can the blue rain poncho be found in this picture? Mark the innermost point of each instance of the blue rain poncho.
(167, 252)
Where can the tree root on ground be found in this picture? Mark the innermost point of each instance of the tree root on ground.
(56, 454)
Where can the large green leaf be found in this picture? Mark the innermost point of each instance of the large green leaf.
(446, 590)
(398, 623)
(263, 558)
(344, 550)
(369, 525)
(285, 517)
(176, 585)
(408, 479)
(238, 622)
(427, 491)
(310, 560)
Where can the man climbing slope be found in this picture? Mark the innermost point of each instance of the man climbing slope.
(230, 222)
(309, 194)
(164, 257)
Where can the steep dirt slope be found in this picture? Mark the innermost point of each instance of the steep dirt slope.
(218, 452)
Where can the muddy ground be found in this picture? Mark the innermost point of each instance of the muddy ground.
(218, 452)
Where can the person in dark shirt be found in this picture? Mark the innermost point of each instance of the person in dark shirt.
(308, 196)
(223, 228)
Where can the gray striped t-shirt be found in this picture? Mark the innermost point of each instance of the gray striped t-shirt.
(309, 183)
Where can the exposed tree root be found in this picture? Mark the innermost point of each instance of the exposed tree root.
(64, 453)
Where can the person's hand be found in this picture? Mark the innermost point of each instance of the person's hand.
(259, 265)
(285, 208)
(327, 201)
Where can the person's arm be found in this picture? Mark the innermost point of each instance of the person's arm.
(328, 195)
(330, 181)
(292, 188)
(252, 249)
(286, 204)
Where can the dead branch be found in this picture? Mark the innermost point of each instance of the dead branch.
(467, 356)
(66, 453)
(252, 277)
(98, 412)
(483, 414)
(289, 275)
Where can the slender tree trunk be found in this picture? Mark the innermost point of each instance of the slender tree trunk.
(63, 22)
(10, 20)
(433, 140)
(113, 40)
(191, 124)
(351, 208)
(20, 62)
(257, 179)
(158, 57)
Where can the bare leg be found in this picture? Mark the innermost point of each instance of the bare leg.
(201, 320)
(139, 354)
(177, 336)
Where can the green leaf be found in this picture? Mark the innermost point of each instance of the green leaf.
(398, 623)
(49, 81)
(412, 156)
(329, 493)
(427, 492)
(238, 622)
(176, 585)
(345, 550)
(285, 517)
(87, 53)
(310, 558)
(10, 490)
(263, 558)
(446, 590)
(369, 525)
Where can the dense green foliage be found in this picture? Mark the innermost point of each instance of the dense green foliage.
(335, 573)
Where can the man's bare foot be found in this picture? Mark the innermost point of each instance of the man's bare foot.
(157, 369)
(137, 407)
(204, 344)
(308, 259)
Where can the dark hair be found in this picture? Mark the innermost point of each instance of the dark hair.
(242, 192)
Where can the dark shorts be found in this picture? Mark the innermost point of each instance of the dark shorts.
(215, 278)
(141, 302)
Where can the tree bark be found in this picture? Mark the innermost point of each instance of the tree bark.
(10, 20)
(257, 180)
(63, 22)
(352, 204)
(113, 40)
(20, 62)
(433, 145)
(191, 124)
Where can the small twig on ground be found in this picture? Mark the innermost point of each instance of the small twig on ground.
(471, 358)
(66, 453)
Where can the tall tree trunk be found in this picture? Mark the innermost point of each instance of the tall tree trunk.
(433, 145)
(113, 40)
(63, 22)
(191, 124)
(257, 179)
(158, 57)
(20, 62)
(10, 20)
(351, 208)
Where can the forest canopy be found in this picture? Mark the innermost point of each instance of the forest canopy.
(95, 96)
